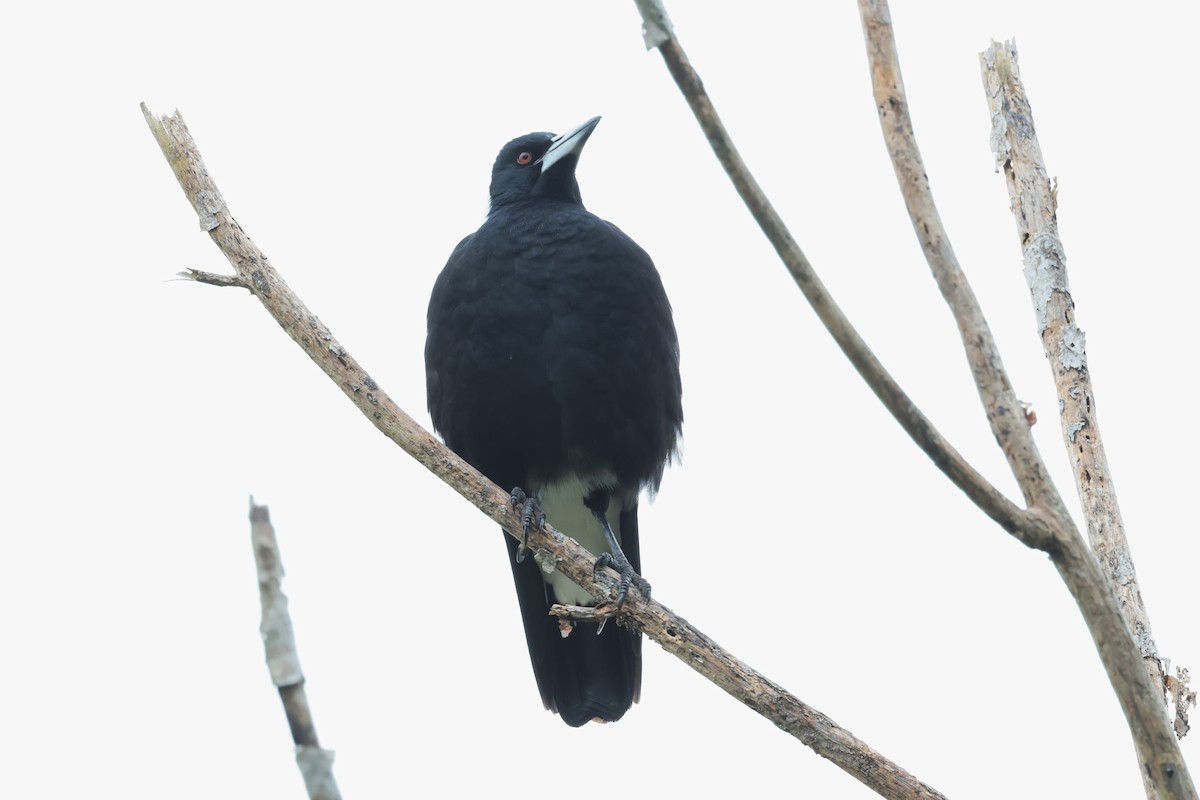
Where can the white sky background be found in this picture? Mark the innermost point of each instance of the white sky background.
(804, 530)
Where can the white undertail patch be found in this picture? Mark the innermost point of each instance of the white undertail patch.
(563, 503)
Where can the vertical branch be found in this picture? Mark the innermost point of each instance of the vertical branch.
(316, 764)
(1034, 206)
(1004, 411)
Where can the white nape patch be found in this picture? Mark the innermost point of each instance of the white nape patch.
(565, 511)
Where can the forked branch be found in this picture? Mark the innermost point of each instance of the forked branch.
(1046, 523)
(1004, 411)
(657, 33)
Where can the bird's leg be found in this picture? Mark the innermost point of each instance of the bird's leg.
(532, 515)
(615, 558)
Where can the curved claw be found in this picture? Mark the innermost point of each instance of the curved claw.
(532, 515)
(628, 576)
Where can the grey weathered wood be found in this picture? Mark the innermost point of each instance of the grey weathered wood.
(283, 660)
(1034, 205)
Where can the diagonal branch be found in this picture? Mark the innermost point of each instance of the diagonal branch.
(657, 33)
(1035, 207)
(1046, 524)
(1000, 403)
(553, 550)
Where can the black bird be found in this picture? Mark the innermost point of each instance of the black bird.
(552, 365)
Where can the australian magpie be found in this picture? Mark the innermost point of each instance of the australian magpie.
(552, 366)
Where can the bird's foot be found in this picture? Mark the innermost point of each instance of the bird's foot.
(617, 561)
(532, 515)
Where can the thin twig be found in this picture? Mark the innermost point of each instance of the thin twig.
(553, 550)
(583, 613)
(212, 278)
(283, 661)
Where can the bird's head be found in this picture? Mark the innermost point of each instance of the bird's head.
(540, 165)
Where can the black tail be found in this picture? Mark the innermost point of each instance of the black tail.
(595, 677)
(583, 676)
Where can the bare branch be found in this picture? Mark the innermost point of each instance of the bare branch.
(1005, 413)
(915, 423)
(553, 550)
(1034, 205)
(283, 661)
(1046, 524)
(583, 613)
(1163, 769)
(212, 278)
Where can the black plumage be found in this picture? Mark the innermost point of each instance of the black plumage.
(552, 364)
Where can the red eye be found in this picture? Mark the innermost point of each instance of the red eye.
(525, 158)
